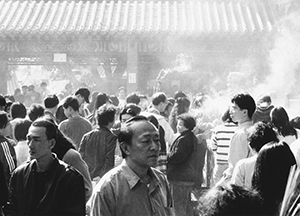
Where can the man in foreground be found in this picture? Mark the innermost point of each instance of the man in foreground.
(45, 185)
(134, 188)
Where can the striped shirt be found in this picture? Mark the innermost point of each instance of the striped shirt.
(7, 157)
(220, 141)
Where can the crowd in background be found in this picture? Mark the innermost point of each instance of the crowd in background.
(233, 163)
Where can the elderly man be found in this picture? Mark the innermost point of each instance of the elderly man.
(45, 185)
(134, 188)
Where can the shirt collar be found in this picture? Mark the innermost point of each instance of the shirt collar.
(133, 179)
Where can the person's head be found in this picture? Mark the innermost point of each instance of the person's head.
(169, 107)
(69, 88)
(242, 107)
(126, 114)
(24, 89)
(182, 105)
(271, 171)
(18, 110)
(17, 91)
(5, 126)
(159, 101)
(295, 122)
(43, 85)
(21, 129)
(106, 115)
(82, 94)
(2, 102)
(230, 200)
(31, 88)
(35, 111)
(144, 103)
(179, 94)
(139, 142)
(41, 138)
(122, 93)
(185, 122)
(70, 105)
(114, 100)
(226, 116)
(280, 120)
(101, 99)
(134, 107)
(51, 101)
(264, 101)
(260, 134)
(133, 98)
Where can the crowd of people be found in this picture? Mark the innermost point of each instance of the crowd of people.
(90, 153)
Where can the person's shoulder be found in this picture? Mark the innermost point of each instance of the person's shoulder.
(27, 166)
(110, 178)
(159, 174)
(68, 169)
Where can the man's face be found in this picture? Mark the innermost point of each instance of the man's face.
(236, 113)
(162, 106)
(7, 131)
(144, 149)
(67, 112)
(39, 145)
(80, 99)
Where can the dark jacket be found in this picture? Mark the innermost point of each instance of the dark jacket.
(7, 157)
(97, 149)
(64, 191)
(181, 165)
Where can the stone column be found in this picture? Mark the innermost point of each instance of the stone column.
(132, 65)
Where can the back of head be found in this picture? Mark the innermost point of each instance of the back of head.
(158, 97)
(105, 115)
(128, 111)
(272, 169)
(230, 200)
(51, 101)
(3, 119)
(226, 116)
(281, 122)
(84, 92)
(18, 110)
(101, 99)
(179, 94)
(21, 129)
(72, 102)
(137, 109)
(2, 102)
(260, 134)
(245, 101)
(133, 98)
(114, 100)
(182, 104)
(35, 111)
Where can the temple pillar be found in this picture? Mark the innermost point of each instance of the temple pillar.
(132, 66)
(3, 75)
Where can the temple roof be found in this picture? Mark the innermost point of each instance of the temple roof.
(198, 17)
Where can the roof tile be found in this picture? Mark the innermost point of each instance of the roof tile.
(138, 17)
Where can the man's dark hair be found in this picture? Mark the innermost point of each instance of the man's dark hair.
(133, 98)
(101, 99)
(126, 133)
(179, 94)
(85, 93)
(71, 101)
(158, 98)
(18, 110)
(3, 119)
(51, 101)
(260, 134)
(114, 100)
(188, 121)
(105, 114)
(2, 101)
(245, 101)
(51, 131)
(137, 109)
(21, 129)
(35, 111)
